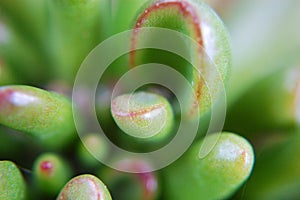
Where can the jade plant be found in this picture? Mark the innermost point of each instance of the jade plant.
(44, 154)
(84, 187)
(12, 183)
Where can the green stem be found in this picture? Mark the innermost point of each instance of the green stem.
(31, 57)
(76, 27)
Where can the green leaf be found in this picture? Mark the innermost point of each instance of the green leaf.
(216, 176)
(143, 115)
(51, 173)
(44, 115)
(12, 185)
(211, 59)
(84, 187)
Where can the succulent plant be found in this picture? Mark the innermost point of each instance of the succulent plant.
(84, 187)
(44, 154)
(50, 173)
(216, 176)
(12, 184)
(45, 116)
(143, 115)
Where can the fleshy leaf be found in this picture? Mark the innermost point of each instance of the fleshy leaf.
(50, 173)
(84, 187)
(215, 176)
(211, 58)
(12, 185)
(44, 115)
(143, 115)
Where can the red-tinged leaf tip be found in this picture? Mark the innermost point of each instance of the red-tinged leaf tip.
(50, 173)
(183, 8)
(46, 167)
(44, 115)
(5, 99)
(233, 151)
(84, 187)
(189, 14)
(12, 97)
(143, 115)
(210, 58)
